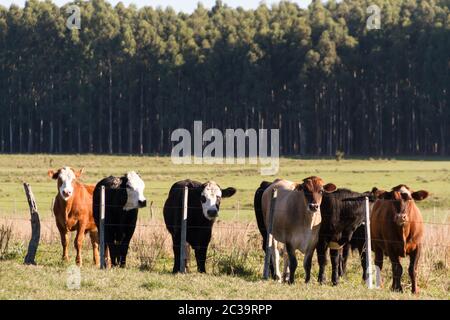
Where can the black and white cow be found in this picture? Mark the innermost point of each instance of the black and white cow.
(203, 209)
(123, 197)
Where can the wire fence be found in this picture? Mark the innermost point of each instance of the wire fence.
(239, 233)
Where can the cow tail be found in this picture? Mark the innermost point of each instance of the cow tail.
(258, 210)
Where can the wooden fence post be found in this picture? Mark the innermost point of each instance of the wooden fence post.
(102, 228)
(368, 247)
(183, 232)
(269, 235)
(35, 226)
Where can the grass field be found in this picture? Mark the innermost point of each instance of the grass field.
(235, 259)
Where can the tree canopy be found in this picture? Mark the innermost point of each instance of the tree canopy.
(129, 76)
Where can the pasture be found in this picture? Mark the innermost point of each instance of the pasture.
(235, 258)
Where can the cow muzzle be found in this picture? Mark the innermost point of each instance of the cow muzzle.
(66, 194)
(400, 219)
(212, 213)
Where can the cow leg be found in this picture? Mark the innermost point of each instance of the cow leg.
(64, 242)
(344, 259)
(307, 263)
(95, 246)
(378, 267)
(286, 271)
(275, 257)
(397, 271)
(176, 258)
(322, 259)
(78, 243)
(107, 257)
(200, 257)
(123, 251)
(292, 262)
(412, 270)
(335, 257)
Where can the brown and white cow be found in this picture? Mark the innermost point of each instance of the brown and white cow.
(73, 211)
(296, 219)
(396, 227)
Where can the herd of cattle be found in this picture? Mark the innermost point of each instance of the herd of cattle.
(308, 216)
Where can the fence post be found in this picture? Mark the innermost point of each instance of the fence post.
(35, 226)
(269, 235)
(183, 232)
(368, 247)
(102, 228)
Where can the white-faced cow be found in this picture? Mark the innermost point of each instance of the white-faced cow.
(396, 226)
(123, 197)
(203, 209)
(296, 219)
(73, 211)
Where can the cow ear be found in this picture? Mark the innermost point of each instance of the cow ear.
(79, 173)
(53, 174)
(329, 187)
(386, 195)
(420, 195)
(377, 192)
(228, 192)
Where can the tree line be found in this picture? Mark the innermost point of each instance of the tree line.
(129, 77)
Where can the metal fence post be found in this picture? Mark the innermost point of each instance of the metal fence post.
(102, 228)
(269, 235)
(183, 232)
(369, 280)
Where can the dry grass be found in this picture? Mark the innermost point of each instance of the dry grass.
(234, 252)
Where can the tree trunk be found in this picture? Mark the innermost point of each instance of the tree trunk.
(141, 117)
(110, 127)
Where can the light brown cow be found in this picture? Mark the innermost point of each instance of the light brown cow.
(73, 211)
(296, 219)
(396, 228)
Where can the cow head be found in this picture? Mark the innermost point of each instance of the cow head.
(401, 196)
(65, 177)
(313, 189)
(135, 191)
(210, 196)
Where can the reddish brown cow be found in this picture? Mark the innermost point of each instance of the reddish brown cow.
(396, 227)
(73, 211)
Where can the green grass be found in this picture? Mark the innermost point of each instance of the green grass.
(48, 281)
(159, 174)
(235, 259)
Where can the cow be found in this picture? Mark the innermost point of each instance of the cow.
(343, 212)
(296, 219)
(358, 240)
(203, 210)
(124, 196)
(73, 211)
(396, 227)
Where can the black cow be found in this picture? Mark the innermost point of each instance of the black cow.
(358, 240)
(123, 197)
(343, 211)
(203, 209)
